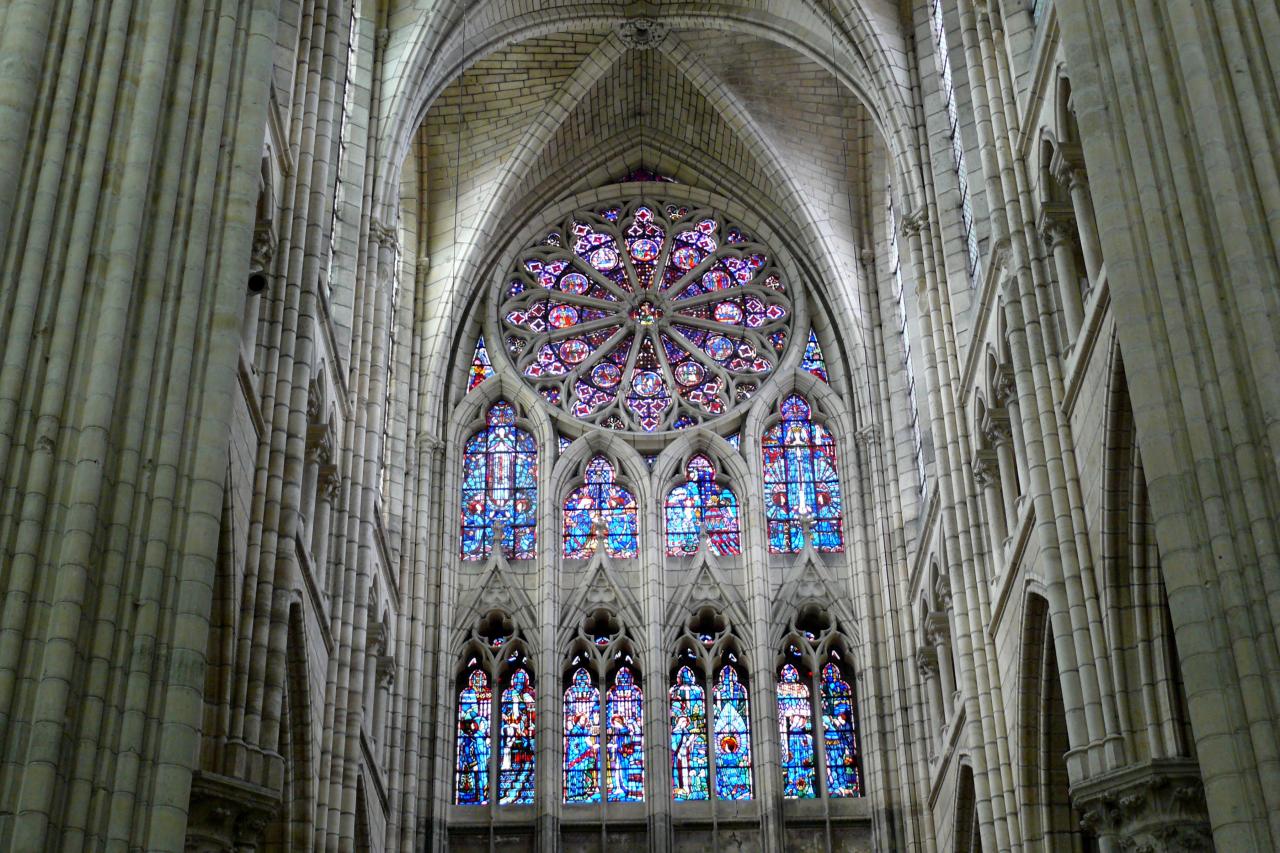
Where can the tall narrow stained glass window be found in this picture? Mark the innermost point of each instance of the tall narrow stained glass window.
(801, 481)
(625, 738)
(689, 768)
(481, 366)
(840, 734)
(700, 504)
(795, 733)
(475, 705)
(600, 500)
(732, 737)
(582, 740)
(516, 755)
(499, 484)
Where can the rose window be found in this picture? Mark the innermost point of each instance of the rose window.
(645, 316)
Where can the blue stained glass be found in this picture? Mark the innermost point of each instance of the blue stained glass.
(689, 773)
(582, 740)
(813, 360)
(563, 442)
(732, 737)
(499, 483)
(481, 366)
(735, 440)
(795, 732)
(516, 756)
(600, 500)
(801, 479)
(625, 739)
(475, 704)
(840, 735)
(697, 503)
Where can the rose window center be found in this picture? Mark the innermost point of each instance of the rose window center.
(645, 316)
(646, 313)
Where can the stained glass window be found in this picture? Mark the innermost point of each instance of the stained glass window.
(499, 484)
(645, 316)
(599, 501)
(689, 776)
(625, 739)
(516, 756)
(840, 734)
(801, 480)
(582, 740)
(813, 361)
(481, 366)
(475, 704)
(732, 737)
(795, 732)
(697, 504)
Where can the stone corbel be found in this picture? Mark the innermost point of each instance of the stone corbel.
(985, 469)
(264, 248)
(319, 444)
(1154, 807)
(1068, 165)
(330, 482)
(942, 589)
(1056, 223)
(386, 671)
(937, 629)
(228, 815)
(927, 661)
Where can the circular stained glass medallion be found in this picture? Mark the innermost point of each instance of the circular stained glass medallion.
(659, 316)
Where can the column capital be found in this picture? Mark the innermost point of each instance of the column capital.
(937, 629)
(996, 430)
(1155, 806)
(330, 482)
(927, 662)
(915, 223)
(985, 469)
(1056, 223)
(228, 813)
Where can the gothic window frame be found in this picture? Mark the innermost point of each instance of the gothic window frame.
(623, 537)
(519, 541)
(797, 532)
(725, 540)
(603, 650)
(812, 643)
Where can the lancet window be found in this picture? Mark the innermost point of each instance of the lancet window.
(817, 729)
(495, 720)
(499, 487)
(801, 481)
(700, 505)
(603, 716)
(600, 510)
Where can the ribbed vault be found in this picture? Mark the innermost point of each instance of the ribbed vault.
(561, 113)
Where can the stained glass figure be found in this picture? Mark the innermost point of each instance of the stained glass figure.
(481, 366)
(840, 734)
(645, 317)
(800, 481)
(689, 766)
(732, 737)
(625, 740)
(599, 501)
(795, 732)
(813, 360)
(582, 740)
(475, 705)
(697, 504)
(516, 756)
(499, 484)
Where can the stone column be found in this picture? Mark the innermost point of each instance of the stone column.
(1068, 164)
(927, 664)
(1056, 229)
(1155, 807)
(999, 433)
(330, 485)
(986, 475)
(938, 635)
